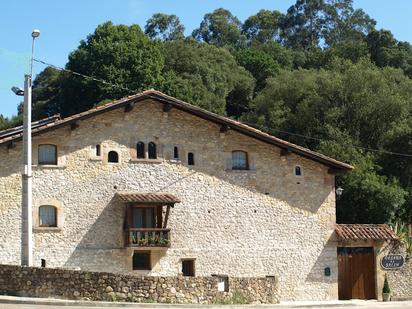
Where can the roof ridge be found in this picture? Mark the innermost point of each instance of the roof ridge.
(195, 110)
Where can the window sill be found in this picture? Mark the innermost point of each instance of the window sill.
(47, 229)
(51, 167)
(146, 161)
(96, 159)
(241, 171)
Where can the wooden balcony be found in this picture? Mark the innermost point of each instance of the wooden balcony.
(148, 237)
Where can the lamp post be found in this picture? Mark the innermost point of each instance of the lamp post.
(27, 215)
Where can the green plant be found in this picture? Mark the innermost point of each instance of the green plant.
(237, 298)
(386, 289)
(164, 242)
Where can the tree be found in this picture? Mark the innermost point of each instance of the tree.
(340, 108)
(303, 24)
(122, 56)
(164, 27)
(205, 75)
(219, 28)
(259, 63)
(264, 27)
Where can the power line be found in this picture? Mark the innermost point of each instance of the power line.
(85, 76)
(359, 147)
(267, 129)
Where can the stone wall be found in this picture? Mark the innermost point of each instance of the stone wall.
(71, 284)
(253, 223)
(400, 280)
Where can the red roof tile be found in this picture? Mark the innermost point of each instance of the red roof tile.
(151, 198)
(364, 232)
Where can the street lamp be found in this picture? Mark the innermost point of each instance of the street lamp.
(27, 215)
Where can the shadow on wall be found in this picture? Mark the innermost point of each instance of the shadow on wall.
(102, 247)
(324, 271)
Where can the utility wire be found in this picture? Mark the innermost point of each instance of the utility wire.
(85, 76)
(284, 132)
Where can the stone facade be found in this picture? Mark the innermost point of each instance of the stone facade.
(260, 222)
(69, 284)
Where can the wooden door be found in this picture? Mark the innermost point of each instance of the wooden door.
(356, 277)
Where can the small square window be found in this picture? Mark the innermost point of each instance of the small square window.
(188, 268)
(141, 261)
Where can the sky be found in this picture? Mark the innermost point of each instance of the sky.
(64, 23)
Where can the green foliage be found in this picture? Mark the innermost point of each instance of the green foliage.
(263, 28)
(205, 75)
(386, 289)
(219, 28)
(237, 298)
(164, 27)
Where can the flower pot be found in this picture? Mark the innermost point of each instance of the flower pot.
(386, 296)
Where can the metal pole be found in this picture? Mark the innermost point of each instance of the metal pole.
(27, 220)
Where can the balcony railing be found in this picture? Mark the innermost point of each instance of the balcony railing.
(148, 237)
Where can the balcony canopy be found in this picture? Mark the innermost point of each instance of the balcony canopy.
(147, 198)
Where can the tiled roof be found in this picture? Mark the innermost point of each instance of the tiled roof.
(194, 110)
(151, 198)
(34, 125)
(364, 232)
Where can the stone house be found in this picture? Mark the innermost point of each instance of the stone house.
(151, 185)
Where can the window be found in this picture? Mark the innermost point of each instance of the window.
(239, 160)
(190, 158)
(175, 153)
(98, 151)
(152, 151)
(188, 268)
(113, 157)
(140, 150)
(47, 216)
(298, 171)
(47, 154)
(141, 260)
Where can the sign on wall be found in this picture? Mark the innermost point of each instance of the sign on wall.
(392, 261)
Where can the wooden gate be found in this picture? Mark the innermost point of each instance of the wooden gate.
(356, 277)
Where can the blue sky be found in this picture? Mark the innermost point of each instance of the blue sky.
(64, 23)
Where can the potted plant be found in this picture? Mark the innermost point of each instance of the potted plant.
(386, 291)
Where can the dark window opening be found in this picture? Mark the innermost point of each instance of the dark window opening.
(47, 154)
(190, 158)
(239, 160)
(43, 262)
(141, 261)
(98, 151)
(152, 151)
(113, 157)
(176, 153)
(47, 216)
(188, 268)
(298, 171)
(140, 150)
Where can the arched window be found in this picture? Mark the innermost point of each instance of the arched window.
(47, 154)
(152, 151)
(190, 158)
(175, 153)
(140, 150)
(239, 160)
(298, 171)
(113, 157)
(47, 216)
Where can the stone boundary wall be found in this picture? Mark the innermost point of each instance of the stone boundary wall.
(73, 284)
(400, 281)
